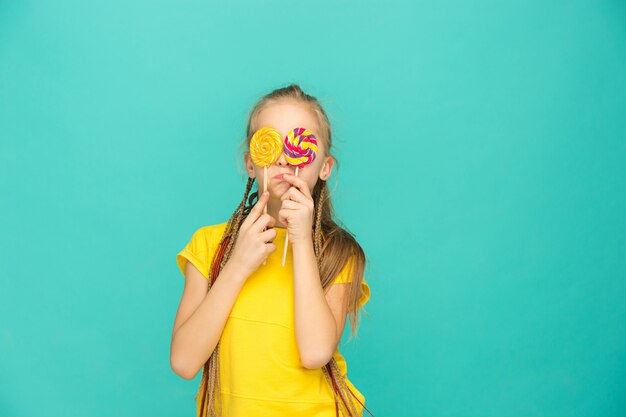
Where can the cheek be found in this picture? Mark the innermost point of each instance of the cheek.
(311, 179)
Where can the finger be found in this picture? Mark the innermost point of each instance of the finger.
(293, 194)
(287, 193)
(286, 215)
(299, 183)
(270, 247)
(269, 235)
(265, 221)
(291, 205)
(256, 211)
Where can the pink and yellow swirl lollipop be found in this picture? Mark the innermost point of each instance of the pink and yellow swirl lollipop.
(300, 148)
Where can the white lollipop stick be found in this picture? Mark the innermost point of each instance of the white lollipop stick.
(265, 185)
(265, 189)
(287, 235)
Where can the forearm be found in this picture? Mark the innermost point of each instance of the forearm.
(315, 327)
(195, 340)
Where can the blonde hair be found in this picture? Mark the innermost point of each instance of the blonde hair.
(334, 247)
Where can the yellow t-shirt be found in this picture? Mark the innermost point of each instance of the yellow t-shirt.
(260, 370)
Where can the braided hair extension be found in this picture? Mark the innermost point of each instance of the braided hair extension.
(331, 370)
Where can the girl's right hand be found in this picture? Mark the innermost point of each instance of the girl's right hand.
(252, 247)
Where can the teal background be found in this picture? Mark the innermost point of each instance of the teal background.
(482, 152)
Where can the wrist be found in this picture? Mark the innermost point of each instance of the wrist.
(303, 243)
(234, 272)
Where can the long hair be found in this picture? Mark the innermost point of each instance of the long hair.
(334, 246)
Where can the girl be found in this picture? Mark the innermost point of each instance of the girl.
(265, 335)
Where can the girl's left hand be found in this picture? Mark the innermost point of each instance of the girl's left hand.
(297, 210)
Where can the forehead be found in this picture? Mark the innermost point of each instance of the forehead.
(285, 115)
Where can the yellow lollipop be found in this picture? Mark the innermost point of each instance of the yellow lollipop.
(266, 146)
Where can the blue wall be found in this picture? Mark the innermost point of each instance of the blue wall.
(482, 149)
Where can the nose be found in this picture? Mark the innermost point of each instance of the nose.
(282, 161)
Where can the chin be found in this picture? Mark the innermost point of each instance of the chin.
(278, 191)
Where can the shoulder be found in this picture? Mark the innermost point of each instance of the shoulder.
(210, 234)
(207, 237)
(212, 228)
(345, 274)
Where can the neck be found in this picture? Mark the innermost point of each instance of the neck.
(273, 207)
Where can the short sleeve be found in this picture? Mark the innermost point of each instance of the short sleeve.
(198, 251)
(344, 277)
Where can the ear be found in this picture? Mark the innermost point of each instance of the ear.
(327, 168)
(249, 165)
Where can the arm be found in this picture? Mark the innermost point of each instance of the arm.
(319, 318)
(201, 317)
